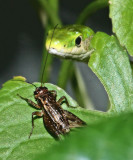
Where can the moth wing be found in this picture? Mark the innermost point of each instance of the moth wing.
(73, 120)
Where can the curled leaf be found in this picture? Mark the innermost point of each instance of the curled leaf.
(111, 65)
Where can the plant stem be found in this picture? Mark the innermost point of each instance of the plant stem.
(45, 77)
(66, 70)
(51, 9)
(83, 94)
(49, 17)
(90, 9)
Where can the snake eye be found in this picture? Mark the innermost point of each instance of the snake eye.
(78, 41)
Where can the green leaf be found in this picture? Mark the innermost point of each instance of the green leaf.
(108, 140)
(15, 120)
(121, 13)
(111, 65)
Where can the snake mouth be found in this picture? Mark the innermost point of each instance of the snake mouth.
(53, 51)
(63, 54)
(75, 56)
(59, 53)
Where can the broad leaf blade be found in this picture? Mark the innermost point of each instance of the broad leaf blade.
(121, 13)
(111, 65)
(108, 140)
(15, 120)
(15, 124)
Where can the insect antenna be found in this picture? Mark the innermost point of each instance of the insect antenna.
(32, 84)
(47, 54)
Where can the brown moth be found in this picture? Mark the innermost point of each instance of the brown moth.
(57, 121)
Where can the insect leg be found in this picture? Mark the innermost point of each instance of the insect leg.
(30, 102)
(36, 113)
(54, 92)
(61, 100)
(66, 101)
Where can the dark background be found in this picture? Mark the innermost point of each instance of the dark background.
(21, 43)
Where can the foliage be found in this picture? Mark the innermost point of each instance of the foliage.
(121, 14)
(15, 120)
(107, 140)
(111, 65)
